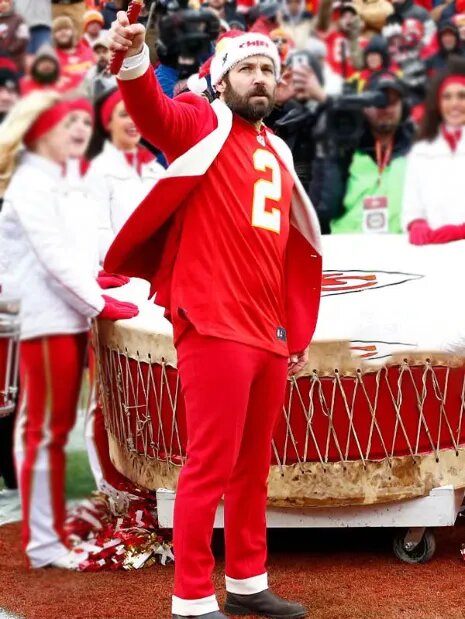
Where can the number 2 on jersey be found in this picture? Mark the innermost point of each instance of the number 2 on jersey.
(266, 190)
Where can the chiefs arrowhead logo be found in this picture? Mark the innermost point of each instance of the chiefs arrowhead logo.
(370, 351)
(346, 282)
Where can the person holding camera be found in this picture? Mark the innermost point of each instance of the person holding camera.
(366, 186)
(231, 245)
(299, 107)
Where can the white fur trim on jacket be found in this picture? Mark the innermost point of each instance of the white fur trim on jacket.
(135, 66)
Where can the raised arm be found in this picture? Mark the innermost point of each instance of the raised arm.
(172, 125)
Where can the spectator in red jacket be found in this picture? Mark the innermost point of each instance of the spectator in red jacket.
(46, 74)
(14, 33)
(74, 56)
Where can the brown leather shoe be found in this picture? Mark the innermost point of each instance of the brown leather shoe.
(263, 604)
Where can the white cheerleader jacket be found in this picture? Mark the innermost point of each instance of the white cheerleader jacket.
(118, 189)
(48, 250)
(434, 183)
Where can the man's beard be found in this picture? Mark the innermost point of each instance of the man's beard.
(241, 104)
(45, 78)
(69, 44)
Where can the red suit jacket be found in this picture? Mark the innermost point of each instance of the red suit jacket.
(146, 246)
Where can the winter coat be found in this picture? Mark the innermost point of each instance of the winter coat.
(117, 188)
(14, 37)
(35, 12)
(434, 183)
(343, 180)
(48, 250)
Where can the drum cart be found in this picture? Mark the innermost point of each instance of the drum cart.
(413, 540)
(9, 345)
(358, 445)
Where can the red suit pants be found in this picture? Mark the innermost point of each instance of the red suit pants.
(233, 394)
(50, 376)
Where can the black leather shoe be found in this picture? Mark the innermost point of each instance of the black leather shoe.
(214, 615)
(263, 604)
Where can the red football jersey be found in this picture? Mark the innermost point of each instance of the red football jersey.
(78, 62)
(229, 272)
(338, 56)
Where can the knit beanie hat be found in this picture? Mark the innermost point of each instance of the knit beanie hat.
(61, 22)
(9, 73)
(92, 16)
(232, 50)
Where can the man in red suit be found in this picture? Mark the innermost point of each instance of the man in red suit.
(230, 244)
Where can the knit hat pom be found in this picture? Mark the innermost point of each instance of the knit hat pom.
(232, 50)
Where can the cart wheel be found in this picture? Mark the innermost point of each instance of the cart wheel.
(422, 553)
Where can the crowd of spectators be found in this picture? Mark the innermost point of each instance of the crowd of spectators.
(351, 102)
(371, 102)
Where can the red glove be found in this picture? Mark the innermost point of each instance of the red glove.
(117, 310)
(419, 232)
(111, 280)
(446, 234)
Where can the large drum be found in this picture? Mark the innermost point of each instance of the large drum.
(373, 418)
(9, 343)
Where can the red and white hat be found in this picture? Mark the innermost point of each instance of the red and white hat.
(232, 50)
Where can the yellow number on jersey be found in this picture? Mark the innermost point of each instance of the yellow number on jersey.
(266, 190)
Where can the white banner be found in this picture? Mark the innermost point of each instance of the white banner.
(385, 296)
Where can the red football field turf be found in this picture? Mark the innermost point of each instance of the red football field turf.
(339, 574)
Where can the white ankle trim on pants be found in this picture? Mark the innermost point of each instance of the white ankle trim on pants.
(247, 586)
(202, 606)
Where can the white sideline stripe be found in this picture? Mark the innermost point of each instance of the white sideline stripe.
(5, 614)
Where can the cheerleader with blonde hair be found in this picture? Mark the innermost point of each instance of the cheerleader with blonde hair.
(14, 127)
(49, 253)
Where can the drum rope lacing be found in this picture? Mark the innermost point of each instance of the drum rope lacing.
(127, 396)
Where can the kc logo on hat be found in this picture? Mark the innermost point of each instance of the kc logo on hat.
(231, 51)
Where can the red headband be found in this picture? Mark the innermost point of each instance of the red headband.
(7, 63)
(46, 122)
(452, 79)
(83, 105)
(108, 107)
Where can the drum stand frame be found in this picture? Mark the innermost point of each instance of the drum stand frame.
(439, 509)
